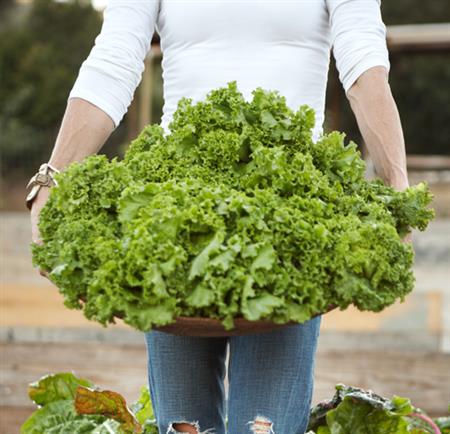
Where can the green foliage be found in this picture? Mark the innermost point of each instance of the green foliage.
(444, 423)
(55, 387)
(69, 405)
(92, 411)
(236, 212)
(357, 411)
(51, 43)
(60, 417)
(39, 62)
(407, 12)
(143, 411)
(55, 395)
(418, 84)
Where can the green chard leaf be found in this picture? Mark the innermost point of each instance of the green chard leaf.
(60, 417)
(62, 386)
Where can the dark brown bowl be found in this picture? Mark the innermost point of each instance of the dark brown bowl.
(209, 327)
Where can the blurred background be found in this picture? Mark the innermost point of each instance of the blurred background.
(404, 350)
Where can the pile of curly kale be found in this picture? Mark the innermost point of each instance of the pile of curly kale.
(236, 212)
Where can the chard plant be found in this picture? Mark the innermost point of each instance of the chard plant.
(71, 405)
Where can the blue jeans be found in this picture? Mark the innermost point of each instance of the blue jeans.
(270, 380)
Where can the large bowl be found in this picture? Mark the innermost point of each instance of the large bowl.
(209, 327)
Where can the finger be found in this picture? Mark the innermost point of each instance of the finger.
(407, 238)
(36, 239)
(35, 235)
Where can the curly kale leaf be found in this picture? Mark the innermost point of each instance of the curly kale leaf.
(236, 212)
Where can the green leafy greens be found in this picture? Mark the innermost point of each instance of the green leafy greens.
(357, 411)
(71, 405)
(235, 212)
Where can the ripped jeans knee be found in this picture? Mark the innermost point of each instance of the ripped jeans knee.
(173, 429)
(261, 425)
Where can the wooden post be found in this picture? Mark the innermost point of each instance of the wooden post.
(146, 93)
(132, 121)
(335, 100)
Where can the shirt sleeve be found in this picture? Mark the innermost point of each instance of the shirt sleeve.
(358, 37)
(110, 74)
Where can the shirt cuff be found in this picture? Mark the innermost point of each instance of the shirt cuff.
(362, 67)
(103, 91)
(98, 102)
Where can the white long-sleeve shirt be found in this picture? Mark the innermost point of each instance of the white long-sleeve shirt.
(280, 45)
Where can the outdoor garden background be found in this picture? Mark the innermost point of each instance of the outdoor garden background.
(404, 350)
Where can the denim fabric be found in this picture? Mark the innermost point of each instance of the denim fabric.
(270, 380)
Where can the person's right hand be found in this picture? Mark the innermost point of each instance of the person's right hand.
(36, 207)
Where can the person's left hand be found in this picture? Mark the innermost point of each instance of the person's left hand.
(408, 238)
(401, 184)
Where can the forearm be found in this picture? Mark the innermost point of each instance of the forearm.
(379, 122)
(84, 130)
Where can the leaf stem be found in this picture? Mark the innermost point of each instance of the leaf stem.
(427, 420)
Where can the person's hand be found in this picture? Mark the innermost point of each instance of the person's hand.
(36, 207)
(408, 238)
(401, 184)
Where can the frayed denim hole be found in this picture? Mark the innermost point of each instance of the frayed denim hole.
(261, 425)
